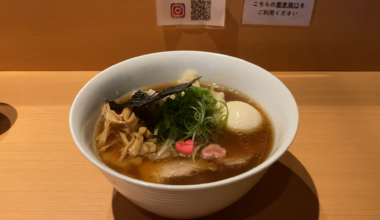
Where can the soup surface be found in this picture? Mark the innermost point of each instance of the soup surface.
(243, 150)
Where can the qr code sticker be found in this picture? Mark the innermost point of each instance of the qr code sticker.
(201, 10)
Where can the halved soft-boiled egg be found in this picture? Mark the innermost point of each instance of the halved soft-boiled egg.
(243, 117)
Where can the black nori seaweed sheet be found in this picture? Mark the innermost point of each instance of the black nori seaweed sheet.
(140, 98)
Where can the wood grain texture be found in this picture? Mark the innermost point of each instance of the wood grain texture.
(94, 34)
(332, 170)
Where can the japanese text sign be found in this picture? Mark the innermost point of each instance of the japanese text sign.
(292, 12)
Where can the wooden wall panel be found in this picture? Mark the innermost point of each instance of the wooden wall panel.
(94, 34)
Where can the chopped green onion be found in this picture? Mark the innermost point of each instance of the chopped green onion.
(190, 115)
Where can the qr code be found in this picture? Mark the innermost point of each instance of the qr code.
(201, 10)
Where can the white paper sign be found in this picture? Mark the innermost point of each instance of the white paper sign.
(191, 12)
(288, 12)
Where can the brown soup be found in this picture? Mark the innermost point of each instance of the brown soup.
(244, 151)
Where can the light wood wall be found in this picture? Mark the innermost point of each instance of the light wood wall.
(94, 34)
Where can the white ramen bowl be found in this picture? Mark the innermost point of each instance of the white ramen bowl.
(189, 201)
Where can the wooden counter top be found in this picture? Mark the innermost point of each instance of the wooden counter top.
(332, 170)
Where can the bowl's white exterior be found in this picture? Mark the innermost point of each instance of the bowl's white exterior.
(194, 200)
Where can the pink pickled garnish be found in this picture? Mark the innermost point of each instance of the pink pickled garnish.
(213, 151)
(185, 147)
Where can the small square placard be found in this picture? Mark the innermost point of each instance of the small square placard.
(191, 12)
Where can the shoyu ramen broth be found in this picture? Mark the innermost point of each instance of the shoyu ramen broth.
(189, 133)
